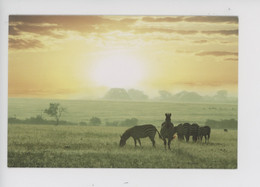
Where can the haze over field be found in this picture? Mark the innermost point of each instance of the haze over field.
(83, 57)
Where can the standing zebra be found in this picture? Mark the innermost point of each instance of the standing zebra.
(204, 131)
(138, 132)
(179, 130)
(186, 131)
(167, 130)
(194, 128)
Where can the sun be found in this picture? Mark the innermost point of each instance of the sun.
(116, 71)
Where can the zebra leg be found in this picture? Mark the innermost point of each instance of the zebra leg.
(187, 138)
(135, 142)
(164, 141)
(139, 142)
(152, 141)
(169, 143)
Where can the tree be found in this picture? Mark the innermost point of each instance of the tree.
(137, 94)
(117, 94)
(165, 95)
(55, 110)
(95, 121)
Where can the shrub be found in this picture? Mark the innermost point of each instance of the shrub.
(129, 122)
(95, 121)
(113, 123)
(83, 123)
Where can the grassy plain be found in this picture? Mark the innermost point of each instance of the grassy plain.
(97, 147)
(145, 112)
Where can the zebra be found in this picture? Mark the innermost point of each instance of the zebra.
(194, 131)
(186, 131)
(137, 132)
(204, 131)
(167, 130)
(179, 130)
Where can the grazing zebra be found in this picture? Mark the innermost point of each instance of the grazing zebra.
(138, 132)
(179, 130)
(167, 130)
(204, 131)
(194, 131)
(186, 131)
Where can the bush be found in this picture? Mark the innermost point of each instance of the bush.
(113, 123)
(95, 121)
(83, 123)
(129, 122)
(36, 120)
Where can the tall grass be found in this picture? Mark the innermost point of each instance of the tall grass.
(97, 147)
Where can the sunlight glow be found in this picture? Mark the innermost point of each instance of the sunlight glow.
(120, 70)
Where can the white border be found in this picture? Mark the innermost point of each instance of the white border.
(247, 173)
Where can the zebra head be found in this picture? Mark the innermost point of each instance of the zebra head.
(122, 141)
(168, 116)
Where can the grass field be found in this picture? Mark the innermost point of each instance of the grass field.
(145, 112)
(97, 147)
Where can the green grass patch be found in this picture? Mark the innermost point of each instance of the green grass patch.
(98, 147)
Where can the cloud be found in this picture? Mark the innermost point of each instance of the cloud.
(200, 41)
(83, 24)
(222, 32)
(206, 19)
(56, 27)
(232, 59)
(213, 19)
(165, 30)
(24, 44)
(216, 53)
(165, 19)
(184, 51)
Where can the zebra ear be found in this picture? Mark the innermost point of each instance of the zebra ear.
(165, 114)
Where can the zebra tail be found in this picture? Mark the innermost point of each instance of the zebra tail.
(159, 134)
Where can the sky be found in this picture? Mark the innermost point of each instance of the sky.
(82, 57)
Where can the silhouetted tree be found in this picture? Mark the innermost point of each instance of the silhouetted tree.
(137, 94)
(55, 110)
(117, 94)
(165, 95)
(95, 121)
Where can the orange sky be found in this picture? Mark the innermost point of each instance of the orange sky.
(84, 56)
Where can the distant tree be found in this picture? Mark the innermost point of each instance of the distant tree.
(117, 94)
(95, 121)
(221, 95)
(137, 94)
(55, 110)
(129, 122)
(165, 95)
(188, 96)
(112, 123)
(83, 123)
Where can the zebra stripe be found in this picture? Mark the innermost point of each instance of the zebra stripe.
(194, 131)
(138, 132)
(167, 130)
(204, 131)
(179, 130)
(186, 131)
